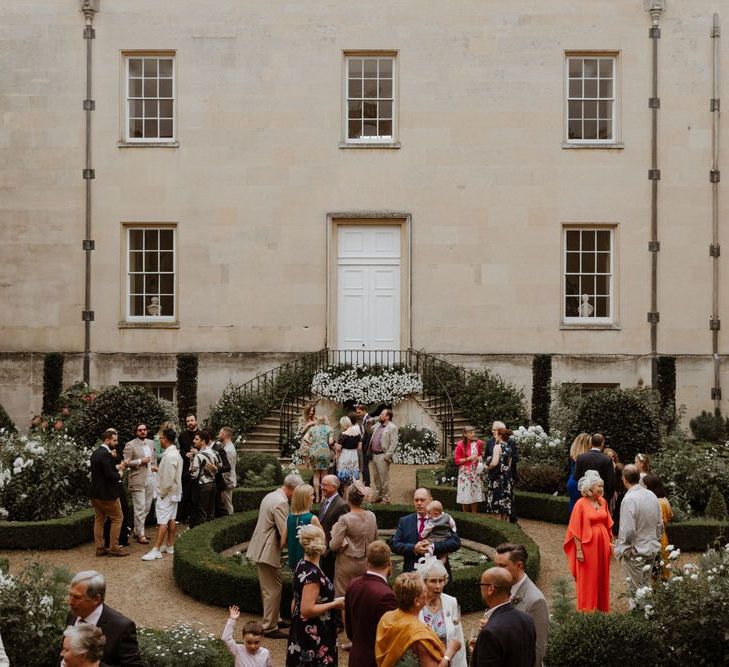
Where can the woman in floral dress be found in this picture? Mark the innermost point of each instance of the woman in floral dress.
(468, 453)
(316, 445)
(313, 634)
(500, 492)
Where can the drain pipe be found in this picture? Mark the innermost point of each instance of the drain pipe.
(655, 8)
(89, 9)
(714, 249)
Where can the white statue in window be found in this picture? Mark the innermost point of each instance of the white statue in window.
(154, 308)
(585, 309)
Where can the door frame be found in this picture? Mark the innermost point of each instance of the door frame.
(369, 218)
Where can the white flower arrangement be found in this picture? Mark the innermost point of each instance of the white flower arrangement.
(365, 384)
(415, 456)
(418, 446)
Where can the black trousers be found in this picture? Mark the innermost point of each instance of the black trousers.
(185, 506)
(203, 503)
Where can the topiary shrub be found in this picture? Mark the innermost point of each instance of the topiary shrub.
(709, 427)
(541, 389)
(486, 397)
(6, 424)
(541, 478)
(186, 385)
(604, 639)
(52, 382)
(716, 507)
(628, 418)
(258, 469)
(121, 408)
(667, 392)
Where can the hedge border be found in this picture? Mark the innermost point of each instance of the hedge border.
(201, 572)
(65, 533)
(691, 535)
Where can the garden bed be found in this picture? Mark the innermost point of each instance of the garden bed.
(62, 533)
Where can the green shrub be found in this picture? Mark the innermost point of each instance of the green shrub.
(667, 392)
(181, 646)
(566, 399)
(541, 389)
(710, 427)
(604, 639)
(251, 466)
(6, 424)
(52, 381)
(121, 408)
(186, 385)
(697, 534)
(628, 418)
(4, 565)
(541, 478)
(542, 507)
(32, 614)
(63, 533)
(716, 507)
(418, 445)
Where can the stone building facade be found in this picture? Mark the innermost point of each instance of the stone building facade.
(469, 178)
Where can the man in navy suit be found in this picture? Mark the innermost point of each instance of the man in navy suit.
(408, 541)
(86, 600)
(596, 460)
(507, 637)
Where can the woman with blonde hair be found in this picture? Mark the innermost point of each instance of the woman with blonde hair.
(316, 449)
(580, 445)
(313, 634)
(300, 515)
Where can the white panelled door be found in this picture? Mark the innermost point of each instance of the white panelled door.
(368, 265)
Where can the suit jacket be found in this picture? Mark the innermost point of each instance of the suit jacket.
(134, 452)
(367, 599)
(105, 477)
(507, 640)
(596, 460)
(530, 600)
(265, 544)
(121, 646)
(337, 507)
(184, 440)
(389, 439)
(406, 537)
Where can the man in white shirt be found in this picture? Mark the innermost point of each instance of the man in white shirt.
(139, 455)
(641, 527)
(225, 437)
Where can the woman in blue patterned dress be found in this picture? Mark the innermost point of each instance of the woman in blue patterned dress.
(313, 634)
(500, 493)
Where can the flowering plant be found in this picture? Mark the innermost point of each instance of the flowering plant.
(536, 445)
(417, 446)
(366, 384)
(181, 646)
(42, 476)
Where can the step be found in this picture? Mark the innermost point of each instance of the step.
(261, 442)
(262, 428)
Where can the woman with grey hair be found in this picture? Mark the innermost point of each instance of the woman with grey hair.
(83, 645)
(348, 451)
(441, 613)
(588, 544)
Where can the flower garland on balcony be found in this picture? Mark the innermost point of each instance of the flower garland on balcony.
(366, 384)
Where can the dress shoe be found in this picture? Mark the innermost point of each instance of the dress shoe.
(118, 553)
(276, 634)
(102, 552)
(284, 624)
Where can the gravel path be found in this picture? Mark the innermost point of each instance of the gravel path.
(146, 591)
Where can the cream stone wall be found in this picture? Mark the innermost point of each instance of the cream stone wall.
(481, 172)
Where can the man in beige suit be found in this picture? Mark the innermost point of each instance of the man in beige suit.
(383, 444)
(140, 457)
(264, 550)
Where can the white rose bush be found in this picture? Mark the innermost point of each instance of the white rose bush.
(417, 446)
(366, 384)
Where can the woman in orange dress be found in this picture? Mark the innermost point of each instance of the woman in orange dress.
(588, 545)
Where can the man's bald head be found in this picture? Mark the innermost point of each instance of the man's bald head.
(496, 585)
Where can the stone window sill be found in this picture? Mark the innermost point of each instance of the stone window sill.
(150, 144)
(616, 146)
(394, 144)
(610, 326)
(148, 325)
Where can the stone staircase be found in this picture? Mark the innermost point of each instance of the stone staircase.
(459, 420)
(265, 436)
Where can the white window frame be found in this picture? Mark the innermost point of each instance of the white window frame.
(588, 55)
(127, 230)
(380, 140)
(127, 138)
(611, 319)
(153, 387)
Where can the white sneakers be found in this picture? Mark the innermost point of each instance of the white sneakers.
(156, 554)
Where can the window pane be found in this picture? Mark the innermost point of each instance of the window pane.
(370, 67)
(602, 307)
(590, 65)
(575, 109)
(575, 88)
(603, 262)
(590, 129)
(355, 109)
(135, 128)
(370, 109)
(573, 262)
(165, 109)
(165, 87)
(575, 66)
(370, 88)
(355, 88)
(384, 109)
(605, 110)
(136, 108)
(588, 240)
(355, 129)
(603, 240)
(136, 284)
(590, 87)
(168, 305)
(151, 237)
(369, 128)
(135, 67)
(588, 262)
(571, 304)
(167, 284)
(135, 261)
(135, 87)
(166, 239)
(606, 88)
(150, 67)
(151, 129)
(136, 238)
(573, 240)
(605, 129)
(589, 109)
(150, 109)
(150, 261)
(386, 68)
(575, 129)
(606, 67)
(165, 67)
(150, 87)
(587, 285)
(136, 306)
(151, 284)
(166, 261)
(384, 128)
(355, 67)
(572, 285)
(386, 88)
(602, 285)
(165, 129)
(166, 393)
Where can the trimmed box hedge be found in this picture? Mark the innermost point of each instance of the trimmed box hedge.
(691, 535)
(64, 533)
(201, 572)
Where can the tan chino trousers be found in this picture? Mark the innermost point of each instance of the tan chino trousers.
(381, 476)
(102, 510)
(269, 578)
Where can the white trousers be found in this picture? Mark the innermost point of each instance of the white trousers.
(142, 501)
